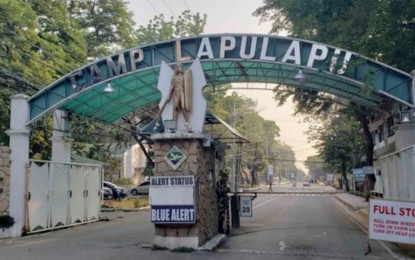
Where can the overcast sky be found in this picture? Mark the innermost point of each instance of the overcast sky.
(234, 16)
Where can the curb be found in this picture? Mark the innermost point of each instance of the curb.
(346, 203)
(124, 209)
(364, 213)
(213, 243)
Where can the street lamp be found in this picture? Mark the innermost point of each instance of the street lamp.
(108, 89)
(300, 76)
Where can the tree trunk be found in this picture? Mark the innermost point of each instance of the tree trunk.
(253, 175)
(369, 155)
(368, 139)
(344, 174)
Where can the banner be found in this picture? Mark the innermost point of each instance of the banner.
(172, 199)
(392, 221)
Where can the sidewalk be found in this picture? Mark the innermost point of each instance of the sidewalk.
(354, 202)
(361, 207)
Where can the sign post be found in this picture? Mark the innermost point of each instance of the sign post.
(246, 206)
(172, 200)
(392, 221)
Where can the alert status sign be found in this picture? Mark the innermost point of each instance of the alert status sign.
(172, 200)
(392, 221)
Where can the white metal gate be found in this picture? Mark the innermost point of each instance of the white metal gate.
(62, 194)
(397, 174)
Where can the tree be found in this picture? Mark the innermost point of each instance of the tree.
(158, 29)
(263, 148)
(316, 167)
(338, 144)
(107, 25)
(382, 30)
(38, 46)
(4, 115)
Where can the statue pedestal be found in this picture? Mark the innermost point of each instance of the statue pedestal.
(199, 162)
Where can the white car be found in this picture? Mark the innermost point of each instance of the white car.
(141, 189)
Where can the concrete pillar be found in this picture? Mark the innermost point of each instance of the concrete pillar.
(413, 86)
(19, 156)
(200, 163)
(61, 142)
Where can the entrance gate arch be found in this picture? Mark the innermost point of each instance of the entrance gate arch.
(132, 77)
(226, 58)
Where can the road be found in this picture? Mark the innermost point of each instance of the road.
(284, 226)
(300, 225)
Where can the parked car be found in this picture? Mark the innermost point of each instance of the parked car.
(117, 191)
(107, 193)
(142, 188)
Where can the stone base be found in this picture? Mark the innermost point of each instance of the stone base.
(175, 242)
(201, 163)
(13, 231)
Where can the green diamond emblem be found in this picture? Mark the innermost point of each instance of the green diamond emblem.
(175, 157)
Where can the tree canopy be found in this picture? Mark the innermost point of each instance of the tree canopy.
(382, 30)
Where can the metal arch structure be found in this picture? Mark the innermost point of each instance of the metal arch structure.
(225, 58)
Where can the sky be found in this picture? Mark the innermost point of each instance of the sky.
(235, 16)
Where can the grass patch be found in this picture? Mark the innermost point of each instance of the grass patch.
(182, 249)
(127, 203)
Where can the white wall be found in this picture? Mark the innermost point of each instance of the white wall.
(133, 158)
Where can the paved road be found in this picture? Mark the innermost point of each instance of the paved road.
(304, 225)
(284, 226)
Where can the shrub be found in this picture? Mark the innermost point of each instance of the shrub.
(141, 202)
(123, 181)
(157, 247)
(182, 249)
(6, 221)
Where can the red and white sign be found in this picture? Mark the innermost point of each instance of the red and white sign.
(392, 221)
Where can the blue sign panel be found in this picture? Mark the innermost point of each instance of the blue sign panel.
(173, 214)
(359, 175)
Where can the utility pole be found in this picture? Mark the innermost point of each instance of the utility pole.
(233, 177)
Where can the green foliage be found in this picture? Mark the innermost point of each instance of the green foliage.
(159, 29)
(315, 169)
(263, 148)
(383, 30)
(43, 40)
(158, 247)
(41, 133)
(107, 25)
(182, 249)
(148, 171)
(338, 143)
(6, 222)
(4, 115)
(123, 181)
(113, 166)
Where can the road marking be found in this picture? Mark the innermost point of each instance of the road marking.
(263, 203)
(282, 246)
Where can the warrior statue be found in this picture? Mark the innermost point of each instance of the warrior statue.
(181, 93)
